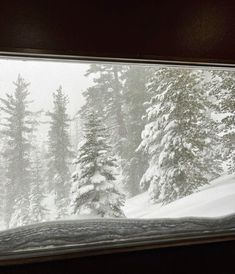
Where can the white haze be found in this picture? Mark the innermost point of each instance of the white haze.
(45, 78)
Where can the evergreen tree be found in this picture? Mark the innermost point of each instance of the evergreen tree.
(59, 151)
(16, 128)
(177, 134)
(208, 82)
(37, 209)
(134, 96)
(95, 96)
(106, 97)
(221, 85)
(95, 179)
(225, 95)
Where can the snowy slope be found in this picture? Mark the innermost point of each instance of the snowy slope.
(214, 200)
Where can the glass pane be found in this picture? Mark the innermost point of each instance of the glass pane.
(98, 140)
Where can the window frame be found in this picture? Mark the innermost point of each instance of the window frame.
(109, 248)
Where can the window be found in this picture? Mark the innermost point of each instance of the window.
(101, 155)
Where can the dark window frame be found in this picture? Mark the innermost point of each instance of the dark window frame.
(148, 243)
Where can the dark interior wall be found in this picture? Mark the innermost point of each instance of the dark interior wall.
(191, 30)
(214, 258)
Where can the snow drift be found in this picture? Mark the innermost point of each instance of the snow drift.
(214, 200)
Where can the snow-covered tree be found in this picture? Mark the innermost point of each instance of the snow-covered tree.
(134, 96)
(96, 95)
(17, 127)
(221, 88)
(95, 187)
(59, 151)
(106, 97)
(226, 97)
(177, 134)
(37, 193)
(208, 82)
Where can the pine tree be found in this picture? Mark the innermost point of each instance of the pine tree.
(37, 209)
(225, 94)
(95, 179)
(134, 96)
(95, 96)
(213, 154)
(17, 127)
(59, 151)
(221, 86)
(177, 134)
(106, 97)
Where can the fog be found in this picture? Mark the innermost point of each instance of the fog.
(45, 78)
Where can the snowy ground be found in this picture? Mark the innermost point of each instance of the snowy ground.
(214, 200)
(145, 222)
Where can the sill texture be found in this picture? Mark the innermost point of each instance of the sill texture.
(50, 240)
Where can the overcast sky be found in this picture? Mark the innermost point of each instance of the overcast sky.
(45, 77)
